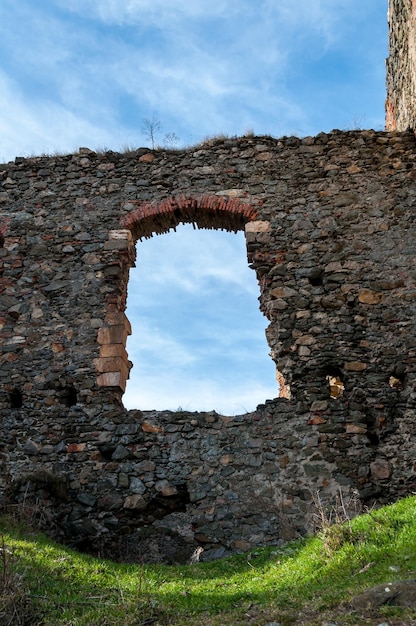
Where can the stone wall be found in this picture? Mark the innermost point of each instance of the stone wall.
(401, 66)
(330, 230)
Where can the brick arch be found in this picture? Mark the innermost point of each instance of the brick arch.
(222, 212)
(143, 220)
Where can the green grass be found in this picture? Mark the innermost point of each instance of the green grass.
(304, 582)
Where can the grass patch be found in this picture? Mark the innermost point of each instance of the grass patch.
(300, 583)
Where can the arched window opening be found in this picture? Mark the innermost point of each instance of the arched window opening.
(198, 336)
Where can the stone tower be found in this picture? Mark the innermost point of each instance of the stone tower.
(401, 66)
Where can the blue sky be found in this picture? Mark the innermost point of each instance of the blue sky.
(89, 72)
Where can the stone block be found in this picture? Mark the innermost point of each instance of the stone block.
(257, 226)
(108, 350)
(319, 405)
(76, 447)
(117, 318)
(112, 379)
(148, 427)
(165, 488)
(117, 244)
(135, 501)
(231, 193)
(147, 158)
(380, 469)
(136, 485)
(120, 235)
(354, 429)
(112, 334)
(367, 296)
(111, 364)
(355, 366)
(315, 420)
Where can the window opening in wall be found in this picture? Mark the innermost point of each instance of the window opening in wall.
(16, 399)
(336, 384)
(316, 280)
(396, 382)
(69, 396)
(198, 337)
(284, 389)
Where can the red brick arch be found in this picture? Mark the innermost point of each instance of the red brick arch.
(143, 220)
(223, 212)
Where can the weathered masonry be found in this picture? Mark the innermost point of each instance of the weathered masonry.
(401, 66)
(330, 229)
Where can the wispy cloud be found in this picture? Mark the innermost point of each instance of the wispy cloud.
(24, 130)
(150, 341)
(163, 13)
(191, 260)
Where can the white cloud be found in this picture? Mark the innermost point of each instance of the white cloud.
(86, 70)
(159, 12)
(37, 127)
(206, 375)
(198, 395)
(208, 58)
(191, 260)
(150, 342)
(321, 15)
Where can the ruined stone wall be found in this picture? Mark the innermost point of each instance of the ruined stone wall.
(330, 231)
(401, 66)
